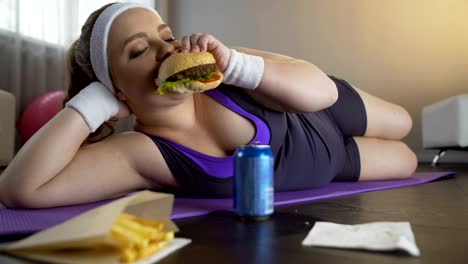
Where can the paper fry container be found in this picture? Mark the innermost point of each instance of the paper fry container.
(86, 237)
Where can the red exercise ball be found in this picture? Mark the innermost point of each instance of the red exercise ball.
(42, 109)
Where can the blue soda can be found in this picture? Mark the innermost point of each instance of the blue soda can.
(253, 182)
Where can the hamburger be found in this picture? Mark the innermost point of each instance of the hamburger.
(188, 73)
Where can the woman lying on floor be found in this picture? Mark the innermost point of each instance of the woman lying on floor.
(320, 128)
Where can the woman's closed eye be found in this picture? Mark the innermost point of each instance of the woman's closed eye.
(137, 52)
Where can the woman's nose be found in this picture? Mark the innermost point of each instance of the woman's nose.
(168, 48)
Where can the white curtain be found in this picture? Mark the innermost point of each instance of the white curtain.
(34, 37)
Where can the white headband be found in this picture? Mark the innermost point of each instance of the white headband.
(98, 45)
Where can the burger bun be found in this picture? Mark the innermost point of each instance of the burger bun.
(179, 62)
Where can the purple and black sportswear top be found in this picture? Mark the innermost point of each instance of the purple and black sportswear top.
(223, 167)
(310, 149)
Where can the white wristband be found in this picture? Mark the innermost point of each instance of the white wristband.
(96, 104)
(244, 70)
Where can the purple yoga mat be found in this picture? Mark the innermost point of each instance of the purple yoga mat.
(26, 221)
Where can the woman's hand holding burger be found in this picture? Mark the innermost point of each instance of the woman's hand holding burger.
(239, 69)
(199, 42)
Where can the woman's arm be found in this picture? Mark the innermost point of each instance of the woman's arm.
(292, 85)
(52, 168)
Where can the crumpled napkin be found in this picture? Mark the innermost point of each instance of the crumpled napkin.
(379, 236)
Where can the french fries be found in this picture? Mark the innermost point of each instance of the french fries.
(138, 238)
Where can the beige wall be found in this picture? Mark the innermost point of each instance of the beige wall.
(411, 52)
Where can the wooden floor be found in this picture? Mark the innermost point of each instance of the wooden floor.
(437, 211)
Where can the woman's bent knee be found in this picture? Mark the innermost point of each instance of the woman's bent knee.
(408, 161)
(404, 123)
(396, 125)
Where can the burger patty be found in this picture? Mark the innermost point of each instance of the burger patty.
(192, 72)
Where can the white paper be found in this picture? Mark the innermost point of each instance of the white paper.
(379, 236)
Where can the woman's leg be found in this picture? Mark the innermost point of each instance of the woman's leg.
(382, 155)
(384, 119)
(377, 132)
(383, 159)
